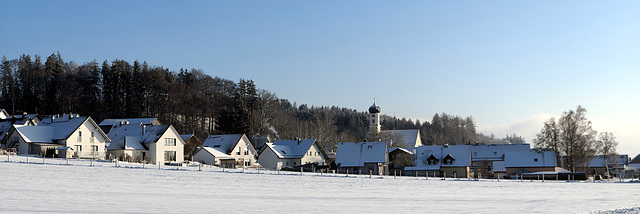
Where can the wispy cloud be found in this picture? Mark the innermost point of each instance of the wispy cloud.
(528, 128)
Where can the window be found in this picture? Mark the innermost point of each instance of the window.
(79, 136)
(495, 153)
(475, 153)
(94, 148)
(169, 141)
(169, 155)
(93, 136)
(310, 153)
(369, 147)
(78, 148)
(238, 152)
(535, 160)
(246, 151)
(216, 146)
(373, 120)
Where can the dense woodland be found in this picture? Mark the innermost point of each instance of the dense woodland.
(197, 103)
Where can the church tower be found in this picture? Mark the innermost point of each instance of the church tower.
(374, 118)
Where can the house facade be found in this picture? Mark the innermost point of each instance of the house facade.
(291, 153)
(81, 134)
(237, 146)
(442, 161)
(532, 161)
(157, 144)
(363, 157)
(489, 158)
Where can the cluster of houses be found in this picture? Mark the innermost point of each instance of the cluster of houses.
(148, 140)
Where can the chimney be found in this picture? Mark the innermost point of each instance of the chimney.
(143, 129)
(24, 114)
(298, 141)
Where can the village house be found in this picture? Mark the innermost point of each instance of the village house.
(81, 134)
(400, 157)
(597, 165)
(363, 157)
(489, 158)
(237, 146)
(210, 156)
(7, 122)
(442, 161)
(291, 153)
(634, 166)
(531, 161)
(157, 144)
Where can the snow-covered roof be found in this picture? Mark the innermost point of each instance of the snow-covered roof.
(217, 154)
(126, 143)
(63, 125)
(3, 114)
(531, 158)
(409, 137)
(598, 161)
(223, 143)
(297, 148)
(498, 167)
(36, 134)
(461, 155)
(392, 149)
(126, 136)
(495, 152)
(144, 121)
(357, 154)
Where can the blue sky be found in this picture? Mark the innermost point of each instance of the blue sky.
(509, 64)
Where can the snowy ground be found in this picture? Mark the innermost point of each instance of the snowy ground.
(104, 188)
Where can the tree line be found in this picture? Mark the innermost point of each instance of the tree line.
(194, 102)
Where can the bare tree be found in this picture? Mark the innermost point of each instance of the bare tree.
(576, 137)
(606, 145)
(549, 138)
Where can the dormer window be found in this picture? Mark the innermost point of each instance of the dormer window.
(448, 159)
(535, 160)
(369, 147)
(432, 160)
(216, 146)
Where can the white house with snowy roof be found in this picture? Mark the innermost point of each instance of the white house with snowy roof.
(81, 134)
(291, 153)
(158, 144)
(210, 156)
(447, 160)
(518, 162)
(237, 146)
(363, 157)
(493, 155)
(6, 126)
(407, 137)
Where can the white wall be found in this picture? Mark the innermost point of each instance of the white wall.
(85, 141)
(160, 148)
(242, 144)
(269, 159)
(315, 156)
(204, 157)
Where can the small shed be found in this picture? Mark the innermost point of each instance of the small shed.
(64, 152)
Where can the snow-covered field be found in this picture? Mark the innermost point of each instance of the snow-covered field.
(104, 188)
